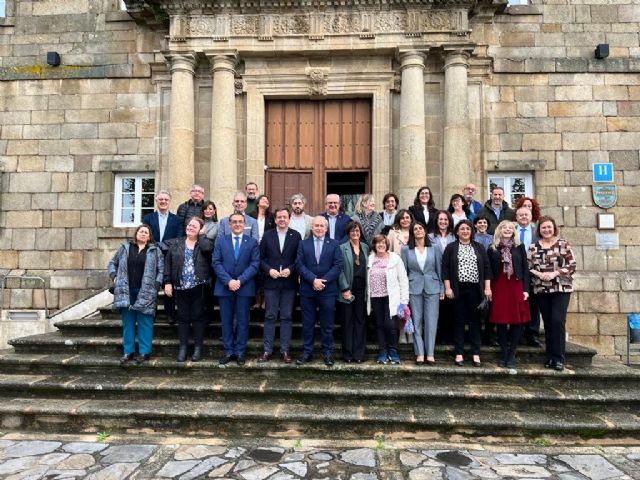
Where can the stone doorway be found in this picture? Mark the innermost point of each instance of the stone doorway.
(312, 144)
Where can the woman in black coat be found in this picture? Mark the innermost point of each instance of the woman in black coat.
(424, 209)
(467, 280)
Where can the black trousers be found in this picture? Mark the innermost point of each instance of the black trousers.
(192, 305)
(465, 310)
(553, 308)
(532, 328)
(509, 336)
(444, 334)
(386, 329)
(353, 317)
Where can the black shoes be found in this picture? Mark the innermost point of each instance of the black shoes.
(550, 364)
(126, 358)
(533, 342)
(197, 354)
(328, 360)
(226, 359)
(459, 363)
(241, 360)
(143, 358)
(558, 367)
(264, 358)
(182, 354)
(307, 358)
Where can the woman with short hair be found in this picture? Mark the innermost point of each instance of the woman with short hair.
(136, 270)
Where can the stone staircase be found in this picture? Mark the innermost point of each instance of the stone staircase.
(71, 381)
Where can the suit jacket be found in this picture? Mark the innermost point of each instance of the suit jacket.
(328, 268)
(418, 216)
(341, 224)
(174, 228)
(250, 227)
(427, 280)
(450, 266)
(271, 257)
(532, 229)
(228, 268)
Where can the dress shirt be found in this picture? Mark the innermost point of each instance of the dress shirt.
(527, 235)
(162, 223)
(332, 226)
(421, 257)
(317, 246)
(282, 236)
(387, 218)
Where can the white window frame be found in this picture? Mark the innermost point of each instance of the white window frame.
(3, 8)
(506, 179)
(118, 193)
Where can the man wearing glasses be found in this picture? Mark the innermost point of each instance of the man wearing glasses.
(192, 207)
(239, 206)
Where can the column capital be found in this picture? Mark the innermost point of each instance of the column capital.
(412, 59)
(223, 62)
(182, 62)
(457, 56)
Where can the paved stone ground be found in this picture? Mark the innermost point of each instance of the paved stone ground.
(135, 457)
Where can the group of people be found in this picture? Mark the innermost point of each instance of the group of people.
(418, 273)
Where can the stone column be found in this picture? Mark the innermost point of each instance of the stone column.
(181, 127)
(457, 163)
(412, 172)
(224, 156)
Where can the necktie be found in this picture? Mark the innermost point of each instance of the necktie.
(318, 250)
(236, 247)
(522, 231)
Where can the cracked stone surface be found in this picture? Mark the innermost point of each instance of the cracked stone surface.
(44, 459)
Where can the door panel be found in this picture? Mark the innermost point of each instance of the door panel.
(281, 185)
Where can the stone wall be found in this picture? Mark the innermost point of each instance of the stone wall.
(63, 132)
(552, 105)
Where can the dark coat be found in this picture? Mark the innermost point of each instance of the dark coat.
(174, 228)
(151, 279)
(506, 213)
(418, 216)
(519, 260)
(328, 268)
(450, 266)
(188, 210)
(228, 268)
(340, 233)
(271, 257)
(269, 220)
(174, 260)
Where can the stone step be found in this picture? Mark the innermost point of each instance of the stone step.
(344, 390)
(57, 342)
(443, 374)
(289, 419)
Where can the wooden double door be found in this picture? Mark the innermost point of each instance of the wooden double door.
(315, 147)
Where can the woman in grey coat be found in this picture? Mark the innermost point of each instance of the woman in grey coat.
(423, 263)
(136, 270)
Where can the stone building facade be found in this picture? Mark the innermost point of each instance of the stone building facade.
(410, 92)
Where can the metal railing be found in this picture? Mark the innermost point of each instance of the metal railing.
(3, 283)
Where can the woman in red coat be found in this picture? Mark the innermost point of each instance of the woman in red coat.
(509, 308)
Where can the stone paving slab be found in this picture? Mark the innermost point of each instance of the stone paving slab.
(137, 457)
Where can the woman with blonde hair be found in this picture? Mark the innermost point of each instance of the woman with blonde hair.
(366, 215)
(509, 287)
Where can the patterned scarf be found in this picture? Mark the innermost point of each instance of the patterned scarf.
(369, 224)
(505, 256)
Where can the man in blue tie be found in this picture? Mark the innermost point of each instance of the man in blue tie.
(236, 259)
(526, 232)
(319, 263)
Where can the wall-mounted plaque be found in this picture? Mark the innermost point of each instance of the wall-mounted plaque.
(605, 196)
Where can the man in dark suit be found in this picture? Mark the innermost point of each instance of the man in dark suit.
(319, 263)
(236, 259)
(165, 226)
(526, 232)
(278, 250)
(337, 222)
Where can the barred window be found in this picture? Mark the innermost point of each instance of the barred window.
(515, 185)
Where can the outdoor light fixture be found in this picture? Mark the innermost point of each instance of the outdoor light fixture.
(53, 59)
(602, 50)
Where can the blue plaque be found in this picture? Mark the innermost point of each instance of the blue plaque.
(605, 196)
(603, 173)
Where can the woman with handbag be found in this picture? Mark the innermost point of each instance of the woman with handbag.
(509, 308)
(352, 302)
(423, 263)
(467, 280)
(136, 270)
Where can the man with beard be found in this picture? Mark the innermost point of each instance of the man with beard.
(300, 221)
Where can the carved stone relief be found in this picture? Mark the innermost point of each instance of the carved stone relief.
(317, 82)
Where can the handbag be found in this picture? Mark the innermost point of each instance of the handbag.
(484, 307)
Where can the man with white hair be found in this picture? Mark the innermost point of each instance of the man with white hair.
(192, 207)
(300, 221)
(239, 206)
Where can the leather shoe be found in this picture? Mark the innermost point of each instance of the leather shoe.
(559, 366)
(328, 360)
(550, 364)
(182, 353)
(286, 358)
(241, 360)
(143, 358)
(419, 362)
(126, 358)
(533, 342)
(459, 363)
(197, 354)
(476, 364)
(265, 357)
(226, 359)
(429, 362)
(304, 359)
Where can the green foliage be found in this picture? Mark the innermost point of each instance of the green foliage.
(379, 443)
(541, 442)
(102, 436)
(297, 443)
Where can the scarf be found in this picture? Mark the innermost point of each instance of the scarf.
(505, 256)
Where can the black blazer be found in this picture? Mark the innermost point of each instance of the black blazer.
(272, 258)
(519, 260)
(450, 265)
(269, 221)
(418, 215)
